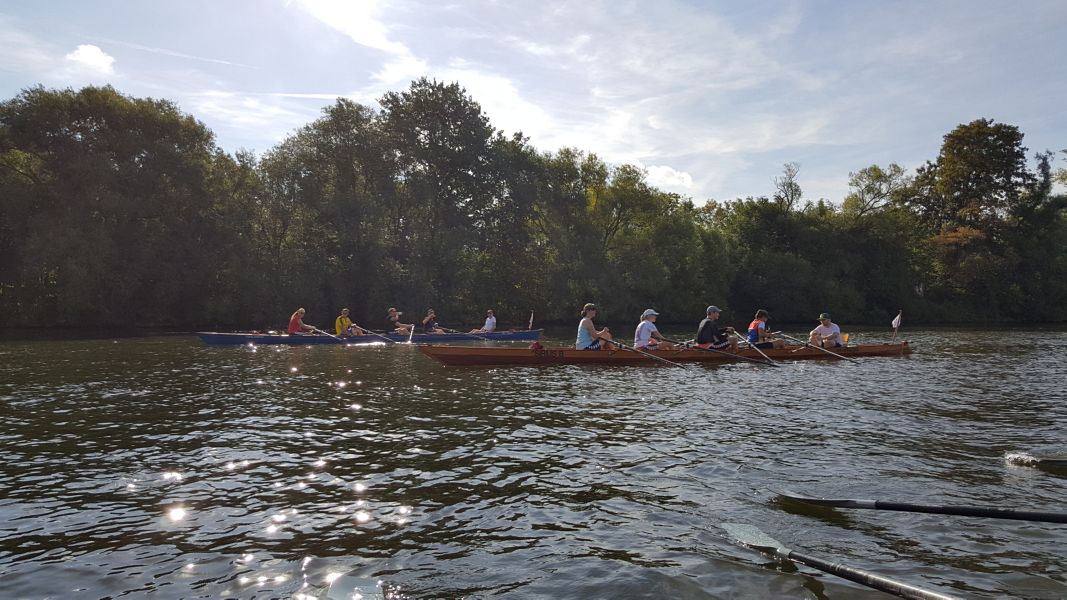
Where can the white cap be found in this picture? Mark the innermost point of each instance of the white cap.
(649, 313)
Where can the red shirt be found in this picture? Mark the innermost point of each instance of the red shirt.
(296, 324)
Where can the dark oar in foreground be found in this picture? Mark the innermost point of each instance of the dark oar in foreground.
(752, 537)
(965, 511)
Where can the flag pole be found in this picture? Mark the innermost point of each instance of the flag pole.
(530, 326)
(896, 323)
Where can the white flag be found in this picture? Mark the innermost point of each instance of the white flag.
(896, 321)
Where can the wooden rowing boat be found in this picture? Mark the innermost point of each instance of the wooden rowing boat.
(469, 356)
(232, 339)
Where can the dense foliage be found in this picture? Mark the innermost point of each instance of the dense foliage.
(116, 210)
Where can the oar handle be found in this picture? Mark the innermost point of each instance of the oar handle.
(810, 345)
(473, 335)
(866, 578)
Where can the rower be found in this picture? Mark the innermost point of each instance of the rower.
(758, 334)
(710, 336)
(296, 323)
(429, 322)
(344, 327)
(393, 324)
(827, 334)
(490, 323)
(588, 336)
(646, 336)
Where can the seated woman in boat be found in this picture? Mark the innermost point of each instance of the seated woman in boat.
(588, 336)
(646, 336)
(827, 334)
(393, 324)
(490, 323)
(296, 323)
(344, 326)
(429, 322)
(758, 334)
(709, 335)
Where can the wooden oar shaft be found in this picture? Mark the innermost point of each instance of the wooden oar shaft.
(364, 330)
(757, 349)
(473, 335)
(642, 352)
(730, 354)
(866, 578)
(317, 330)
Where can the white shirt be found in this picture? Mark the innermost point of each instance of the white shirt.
(825, 332)
(643, 334)
(490, 324)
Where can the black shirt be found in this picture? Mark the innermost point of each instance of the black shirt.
(709, 332)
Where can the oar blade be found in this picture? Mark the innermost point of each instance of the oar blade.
(751, 536)
(835, 502)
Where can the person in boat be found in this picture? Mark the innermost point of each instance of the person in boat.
(588, 336)
(296, 323)
(344, 327)
(393, 324)
(710, 335)
(490, 323)
(759, 335)
(646, 336)
(429, 322)
(827, 334)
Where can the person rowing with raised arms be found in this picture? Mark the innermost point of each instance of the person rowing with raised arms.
(393, 324)
(588, 336)
(429, 322)
(827, 334)
(709, 335)
(647, 336)
(758, 334)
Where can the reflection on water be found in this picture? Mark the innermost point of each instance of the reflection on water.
(163, 466)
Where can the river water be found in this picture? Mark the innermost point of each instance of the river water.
(160, 467)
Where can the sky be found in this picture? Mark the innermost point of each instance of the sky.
(711, 98)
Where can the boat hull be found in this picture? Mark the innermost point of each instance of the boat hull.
(237, 339)
(494, 356)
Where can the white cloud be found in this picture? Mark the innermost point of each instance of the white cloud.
(360, 21)
(236, 111)
(92, 58)
(21, 52)
(669, 178)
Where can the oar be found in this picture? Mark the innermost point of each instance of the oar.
(377, 334)
(648, 354)
(789, 337)
(411, 334)
(317, 330)
(752, 537)
(730, 354)
(753, 346)
(964, 511)
(473, 335)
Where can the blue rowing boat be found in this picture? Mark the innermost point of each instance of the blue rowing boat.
(212, 338)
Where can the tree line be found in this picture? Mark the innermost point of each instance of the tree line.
(117, 210)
